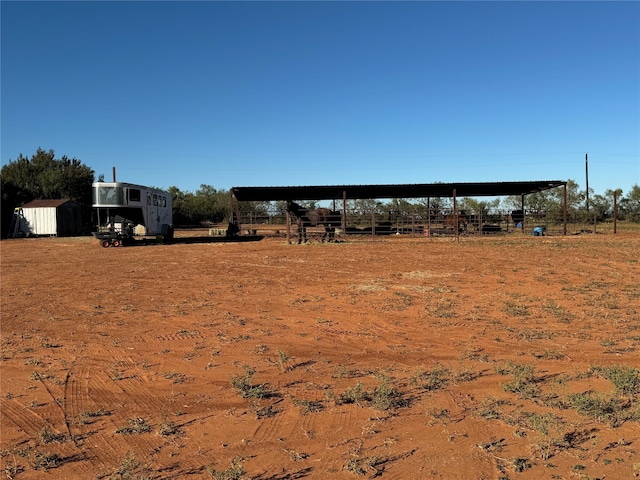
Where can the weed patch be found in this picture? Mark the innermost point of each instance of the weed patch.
(626, 380)
(245, 387)
(523, 383)
(438, 378)
(136, 426)
(612, 410)
(130, 469)
(234, 472)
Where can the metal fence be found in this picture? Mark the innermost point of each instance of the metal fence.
(431, 222)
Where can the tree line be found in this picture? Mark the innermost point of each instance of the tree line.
(42, 176)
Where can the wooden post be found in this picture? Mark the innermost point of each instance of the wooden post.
(586, 167)
(288, 220)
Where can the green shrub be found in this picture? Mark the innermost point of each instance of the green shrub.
(626, 380)
(246, 388)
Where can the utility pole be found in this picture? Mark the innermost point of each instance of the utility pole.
(586, 165)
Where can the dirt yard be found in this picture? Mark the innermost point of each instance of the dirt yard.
(510, 357)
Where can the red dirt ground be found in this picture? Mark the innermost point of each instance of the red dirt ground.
(399, 358)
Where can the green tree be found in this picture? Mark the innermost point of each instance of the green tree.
(204, 207)
(478, 207)
(601, 206)
(550, 201)
(437, 205)
(630, 205)
(44, 177)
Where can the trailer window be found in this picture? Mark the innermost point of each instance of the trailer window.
(148, 199)
(164, 201)
(134, 195)
(110, 195)
(155, 199)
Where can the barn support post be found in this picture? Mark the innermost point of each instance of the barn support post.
(429, 215)
(288, 220)
(523, 212)
(455, 213)
(373, 223)
(564, 209)
(344, 211)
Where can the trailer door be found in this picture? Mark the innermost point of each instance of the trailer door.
(152, 214)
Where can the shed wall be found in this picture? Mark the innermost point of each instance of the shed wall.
(69, 220)
(41, 220)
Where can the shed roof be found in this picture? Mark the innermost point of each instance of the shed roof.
(421, 190)
(49, 203)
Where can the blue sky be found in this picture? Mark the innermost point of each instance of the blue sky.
(306, 93)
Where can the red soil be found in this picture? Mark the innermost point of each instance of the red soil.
(397, 358)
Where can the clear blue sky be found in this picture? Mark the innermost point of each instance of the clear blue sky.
(305, 93)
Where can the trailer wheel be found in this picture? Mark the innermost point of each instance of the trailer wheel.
(106, 243)
(116, 243)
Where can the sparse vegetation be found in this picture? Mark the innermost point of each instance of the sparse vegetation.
(365, 465)
(87, 416)
(235, 471)
(435, 379)
(386, 396)
(516, 309)
(48, 436)
(245, 387)
(175, 377)
(309, 406)
(167, 428)
(41, 460)
(523, 383)
(626, 380)
(283, 358)
(604, 408)
(136, 426)
(131, 469)
(560, 388)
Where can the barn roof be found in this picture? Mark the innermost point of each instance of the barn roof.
(55, 203)
(421, 190)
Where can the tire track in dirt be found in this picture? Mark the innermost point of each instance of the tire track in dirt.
(94, 394)
(33, 426)
(22, 417)
(96, 443)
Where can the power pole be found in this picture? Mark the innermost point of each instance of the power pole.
(586, 165)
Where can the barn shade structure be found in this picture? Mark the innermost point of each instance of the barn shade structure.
(416, 190)
(419, 190)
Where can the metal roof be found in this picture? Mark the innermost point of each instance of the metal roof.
(420, 190)
(50, 203)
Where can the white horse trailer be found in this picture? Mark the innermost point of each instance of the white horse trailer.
(125, 210)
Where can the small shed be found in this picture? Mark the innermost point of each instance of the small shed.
(60, 217)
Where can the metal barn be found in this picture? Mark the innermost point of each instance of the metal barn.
(51, 217)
